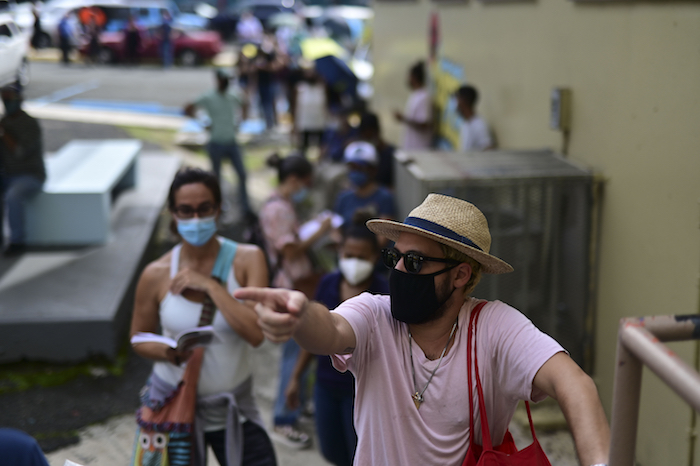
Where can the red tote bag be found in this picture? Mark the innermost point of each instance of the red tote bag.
(505, 454)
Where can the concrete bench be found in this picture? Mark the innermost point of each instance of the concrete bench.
(82, 180)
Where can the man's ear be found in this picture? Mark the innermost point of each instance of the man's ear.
(464, 273)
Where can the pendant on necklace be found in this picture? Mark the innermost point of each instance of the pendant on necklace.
(417, 399)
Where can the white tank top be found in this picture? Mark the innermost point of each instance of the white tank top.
(226, 362)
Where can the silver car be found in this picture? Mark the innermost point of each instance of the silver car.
(14, 66)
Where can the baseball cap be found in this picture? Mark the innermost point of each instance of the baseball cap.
(360, 152)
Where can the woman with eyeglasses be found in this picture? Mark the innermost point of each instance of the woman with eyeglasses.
(171, 294)
(334, 392)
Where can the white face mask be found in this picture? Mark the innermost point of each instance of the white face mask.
(355, 270)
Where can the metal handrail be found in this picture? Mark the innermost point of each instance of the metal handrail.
(640, 343)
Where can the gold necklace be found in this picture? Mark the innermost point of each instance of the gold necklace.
(418, 396)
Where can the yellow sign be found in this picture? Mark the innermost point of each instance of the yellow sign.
(447, 76)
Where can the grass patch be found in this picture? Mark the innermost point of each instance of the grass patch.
(162, 137)
(23, 375)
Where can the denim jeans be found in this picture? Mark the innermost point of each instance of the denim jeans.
(17, 189)
(257, 447)
(336, 433)
(283, 415)
(166, 53)
(230, 151)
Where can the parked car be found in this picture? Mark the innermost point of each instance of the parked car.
(14, 66)
(147, 13)
(190, 47)
(225, 22)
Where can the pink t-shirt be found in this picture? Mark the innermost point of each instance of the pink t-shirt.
(390, 429)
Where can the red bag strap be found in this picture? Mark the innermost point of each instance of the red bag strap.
(485, 432)
(471, 340)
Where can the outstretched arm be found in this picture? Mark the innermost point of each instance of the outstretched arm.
(283, 314)
(562, 379)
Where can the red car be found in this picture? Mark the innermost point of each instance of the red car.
(190, 47)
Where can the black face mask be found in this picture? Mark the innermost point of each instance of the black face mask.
(413, 296)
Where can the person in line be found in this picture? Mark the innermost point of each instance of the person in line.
(338, 134)
(22, 170)
(38, 32)
(417, 116)
(249, 29)
(267, 63)
(166, 39)
(132, 42)
(222, 107)
(309, 109)
(20, 449)
(65, 38)
(92, 31)
(365, 193)
(334, 391)
(408, 350)
(371, 132)
(473, 132)
(170, 293)
(292, 268)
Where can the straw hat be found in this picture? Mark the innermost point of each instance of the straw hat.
(450, 221)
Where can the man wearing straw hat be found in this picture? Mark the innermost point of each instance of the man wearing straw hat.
(408, 350)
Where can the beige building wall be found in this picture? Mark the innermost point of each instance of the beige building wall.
(634, 69)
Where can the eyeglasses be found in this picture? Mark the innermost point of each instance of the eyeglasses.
(412, 261)
(186, 212)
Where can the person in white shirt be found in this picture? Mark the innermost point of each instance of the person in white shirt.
(473, 133)
(417, 116)
(249, 28)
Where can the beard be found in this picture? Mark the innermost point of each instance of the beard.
(444, 293)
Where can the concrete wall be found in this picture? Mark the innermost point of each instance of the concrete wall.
(634, 69)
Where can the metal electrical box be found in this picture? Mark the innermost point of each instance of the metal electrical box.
(538, 206)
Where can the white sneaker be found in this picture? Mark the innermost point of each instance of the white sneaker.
(291, 437)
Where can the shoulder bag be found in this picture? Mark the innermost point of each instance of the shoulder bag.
(165, 434)
(505, 454)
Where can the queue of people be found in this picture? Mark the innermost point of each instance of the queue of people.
(407, 341)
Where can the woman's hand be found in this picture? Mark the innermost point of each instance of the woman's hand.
(292, 393)
(188, 278)
(326, 224)
(177, 357)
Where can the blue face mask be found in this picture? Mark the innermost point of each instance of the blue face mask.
(197, 231)
(358, 178)
(299, 196)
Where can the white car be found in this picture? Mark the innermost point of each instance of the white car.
(14, 67)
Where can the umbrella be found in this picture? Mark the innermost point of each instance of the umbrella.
(317, 47)
(336, 73)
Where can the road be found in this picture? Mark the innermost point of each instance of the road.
(147, 88)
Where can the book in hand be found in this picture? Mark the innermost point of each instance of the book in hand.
(308, 229)
(183, 341)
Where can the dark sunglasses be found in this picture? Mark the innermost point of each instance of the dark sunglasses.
(412, 261)
(186, 212)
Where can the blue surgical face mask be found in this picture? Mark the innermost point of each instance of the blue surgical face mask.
(197, 231)
(299, 196)
(358, 178)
